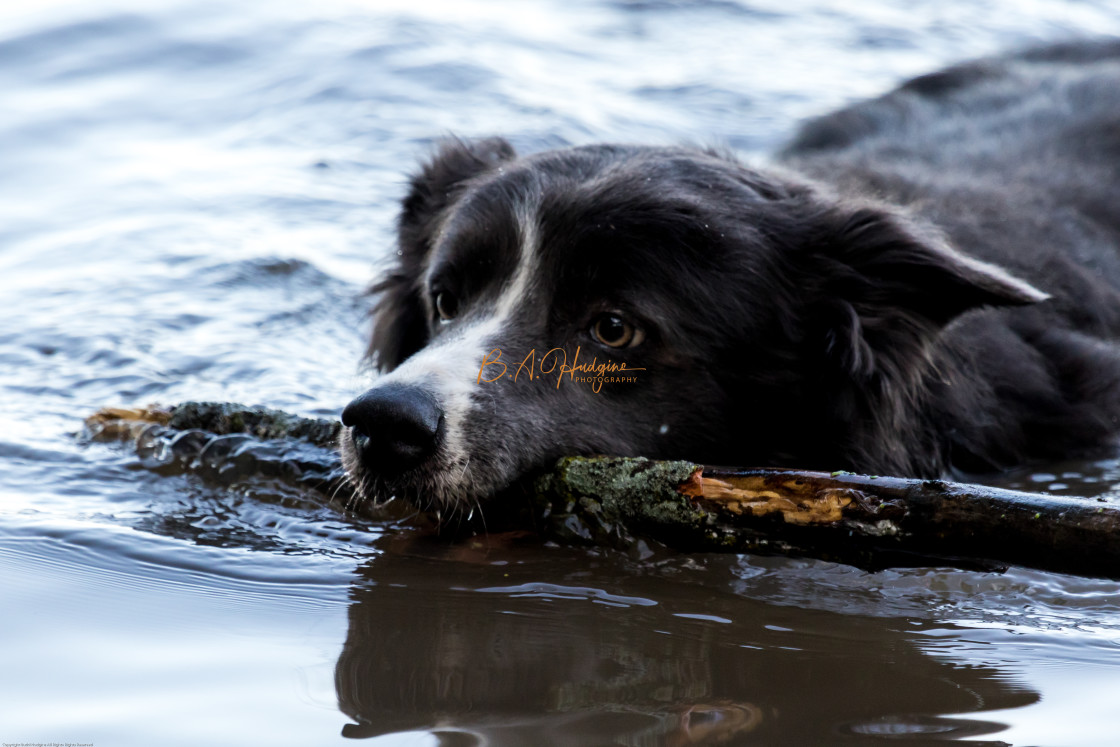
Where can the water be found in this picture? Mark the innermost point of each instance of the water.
(193, 196)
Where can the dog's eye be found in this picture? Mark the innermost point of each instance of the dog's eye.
(447, 306)
(615, 332)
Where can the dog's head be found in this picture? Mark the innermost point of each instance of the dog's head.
(663, 302)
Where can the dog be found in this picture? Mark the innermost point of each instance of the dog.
(922, 284)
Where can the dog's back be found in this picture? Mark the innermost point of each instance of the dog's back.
(1016, 159)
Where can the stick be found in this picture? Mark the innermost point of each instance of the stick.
(225, 442)
(871, 522)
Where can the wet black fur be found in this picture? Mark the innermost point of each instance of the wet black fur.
(819, 313)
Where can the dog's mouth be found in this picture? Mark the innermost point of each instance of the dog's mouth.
(417, 485)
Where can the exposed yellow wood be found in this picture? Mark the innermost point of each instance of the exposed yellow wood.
(795, 504)
(120, 423)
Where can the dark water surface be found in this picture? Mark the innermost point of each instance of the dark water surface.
(192, 196)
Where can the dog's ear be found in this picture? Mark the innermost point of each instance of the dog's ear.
(400, 325)
(886, 287)
(439, 180)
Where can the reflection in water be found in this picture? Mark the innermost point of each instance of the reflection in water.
(486, 654)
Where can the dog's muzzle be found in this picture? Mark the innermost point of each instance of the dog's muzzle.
(394, 428)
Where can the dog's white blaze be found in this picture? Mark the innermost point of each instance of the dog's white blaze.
(518, 288)
(449, 367)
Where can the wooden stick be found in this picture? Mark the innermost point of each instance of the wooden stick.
(226, 442)
(872, 522)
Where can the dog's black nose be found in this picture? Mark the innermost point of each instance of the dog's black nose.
(394, 427)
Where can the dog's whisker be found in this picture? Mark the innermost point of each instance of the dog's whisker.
(366, 491)
(338, 487)
(347, 481)
(481, 515)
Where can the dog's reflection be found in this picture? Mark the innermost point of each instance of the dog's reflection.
(483, 653)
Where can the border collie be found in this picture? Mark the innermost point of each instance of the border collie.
(920, 284)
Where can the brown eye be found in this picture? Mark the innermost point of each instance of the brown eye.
(615, 332)
(447, 306)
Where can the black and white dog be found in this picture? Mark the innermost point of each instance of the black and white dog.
(925, 282)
